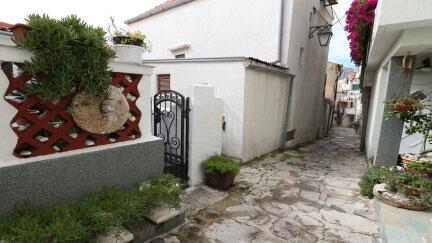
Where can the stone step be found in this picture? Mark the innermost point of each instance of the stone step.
(147, 229)
(162, 214)
(120, 235)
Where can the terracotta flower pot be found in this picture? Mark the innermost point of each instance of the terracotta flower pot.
(409, 190)
(19, 32)
(405, 163)
(219, 180)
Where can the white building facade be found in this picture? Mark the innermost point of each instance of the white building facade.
(402, 37)
(349, 98)
(209, 41)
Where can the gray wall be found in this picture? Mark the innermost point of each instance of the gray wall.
(48, 182)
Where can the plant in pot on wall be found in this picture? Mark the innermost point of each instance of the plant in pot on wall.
(129, 45)
(397, 188)
(412, 186)
(220, 171)
(68, 56)
(19, 32)
(418, 120)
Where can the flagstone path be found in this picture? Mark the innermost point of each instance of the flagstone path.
(308, 194)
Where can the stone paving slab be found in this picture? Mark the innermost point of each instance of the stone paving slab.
(305, 195)
(403, 226)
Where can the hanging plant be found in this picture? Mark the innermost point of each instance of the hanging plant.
(359, 23)
(69, 56)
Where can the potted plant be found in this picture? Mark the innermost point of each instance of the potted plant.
(129, 45)
(412, 186)
(404, 104)
(220, 171)
(418, 119)
(20, 31)
(418, 164)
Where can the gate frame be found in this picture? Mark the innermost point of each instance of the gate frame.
(184, 103)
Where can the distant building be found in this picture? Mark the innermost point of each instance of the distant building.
(348, 99)
(334, 72)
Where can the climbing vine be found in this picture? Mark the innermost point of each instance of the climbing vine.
(359, 23)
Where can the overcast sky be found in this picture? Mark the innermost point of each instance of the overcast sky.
(97, 12)
(339, 47)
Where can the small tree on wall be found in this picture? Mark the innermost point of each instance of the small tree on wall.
(69, 56)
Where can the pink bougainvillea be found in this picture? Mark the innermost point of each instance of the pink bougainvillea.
(359, 22)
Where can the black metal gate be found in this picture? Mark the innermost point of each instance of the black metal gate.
(171, 123)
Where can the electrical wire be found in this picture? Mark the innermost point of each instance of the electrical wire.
(322, 17)
(339, 20)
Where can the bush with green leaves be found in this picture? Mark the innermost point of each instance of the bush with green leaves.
(68, 56)
(80, 221)
(218, 163)
(371, 178)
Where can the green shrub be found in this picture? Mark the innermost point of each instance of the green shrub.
(81, 221)
(217, 163)
(372, 177)
(68, 55)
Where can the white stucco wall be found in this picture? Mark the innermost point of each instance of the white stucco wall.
(266, 100)
(215, 28)
(205, 129)
(307, 60)
(228, 80)
(227, 28)
(376, 110)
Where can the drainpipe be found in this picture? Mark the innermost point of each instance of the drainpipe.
(281, 31)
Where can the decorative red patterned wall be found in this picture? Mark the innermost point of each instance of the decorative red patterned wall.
(45, 127)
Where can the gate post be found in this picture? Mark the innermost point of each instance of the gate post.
(205, 132)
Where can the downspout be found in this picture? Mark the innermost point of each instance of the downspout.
(281, 31)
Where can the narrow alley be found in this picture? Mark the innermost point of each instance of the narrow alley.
(305, 195)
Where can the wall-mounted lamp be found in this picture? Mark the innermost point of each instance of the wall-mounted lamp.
(324, 33)
(427, 67)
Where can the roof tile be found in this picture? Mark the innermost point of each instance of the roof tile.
(5, 26)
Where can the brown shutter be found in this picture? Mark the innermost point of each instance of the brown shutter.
(164, 82)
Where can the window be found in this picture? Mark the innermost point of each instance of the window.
(163, 82)
(180, 56)
(356, 87)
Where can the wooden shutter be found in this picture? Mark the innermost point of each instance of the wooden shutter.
(164, 82)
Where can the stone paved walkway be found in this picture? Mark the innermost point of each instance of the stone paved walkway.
(305, 195)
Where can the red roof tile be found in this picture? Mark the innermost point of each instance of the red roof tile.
(158, 9)
(5, 26)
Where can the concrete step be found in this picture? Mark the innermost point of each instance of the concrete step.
(148, 229)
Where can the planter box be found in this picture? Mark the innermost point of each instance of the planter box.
(128, 53)
(220, 180)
